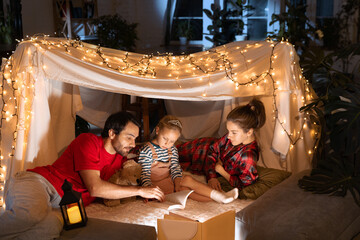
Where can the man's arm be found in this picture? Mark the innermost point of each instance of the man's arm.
(100, 188)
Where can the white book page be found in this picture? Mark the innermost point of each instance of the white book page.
(178, 199)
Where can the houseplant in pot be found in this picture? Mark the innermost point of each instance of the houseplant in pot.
(226, 23)
(7, 40)
(184, 31)
(336, 110)
(115, 32)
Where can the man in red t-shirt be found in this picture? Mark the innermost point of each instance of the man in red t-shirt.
(32, 203)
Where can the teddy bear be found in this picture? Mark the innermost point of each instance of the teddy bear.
(129, 174)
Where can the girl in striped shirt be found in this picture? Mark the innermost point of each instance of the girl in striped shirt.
(160, 165)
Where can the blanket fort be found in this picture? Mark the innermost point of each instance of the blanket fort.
(47, 81)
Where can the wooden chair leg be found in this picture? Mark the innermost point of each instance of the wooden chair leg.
(142, 108)
(145, 118)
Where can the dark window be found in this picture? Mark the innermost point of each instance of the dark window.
(189, 8)
(297, 2)
(188, 13)
(257, 29)
(257, 20)
(324, 8)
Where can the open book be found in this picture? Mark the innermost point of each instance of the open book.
(177, 200)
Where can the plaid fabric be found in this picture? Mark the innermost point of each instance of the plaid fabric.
(192, 154)
(239, 161)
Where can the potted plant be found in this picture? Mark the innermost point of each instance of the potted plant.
(336, 110)
(295, 26)
(6, 32)
(337, 165)
(227, 23)
(115, 32)
(184, 31)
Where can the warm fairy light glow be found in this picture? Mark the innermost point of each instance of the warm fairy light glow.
(15, 89)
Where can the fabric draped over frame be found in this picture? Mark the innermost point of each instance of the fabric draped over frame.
(71, 78)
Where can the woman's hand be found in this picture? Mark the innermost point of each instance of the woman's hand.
(215, 184)
(219, 168)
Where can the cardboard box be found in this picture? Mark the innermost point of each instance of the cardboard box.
(175, 227)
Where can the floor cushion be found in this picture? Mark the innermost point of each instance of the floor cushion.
(268, 178)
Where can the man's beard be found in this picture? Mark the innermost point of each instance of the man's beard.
(120, 149)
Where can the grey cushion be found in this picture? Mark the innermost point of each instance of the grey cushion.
(288, 212)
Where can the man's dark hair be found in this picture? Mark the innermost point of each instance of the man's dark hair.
(117, 122)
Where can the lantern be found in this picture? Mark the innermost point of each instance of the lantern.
(72, 207)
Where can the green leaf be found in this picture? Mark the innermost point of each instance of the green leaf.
(208, 13)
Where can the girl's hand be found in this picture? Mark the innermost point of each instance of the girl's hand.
(177, 184)
(215, 184)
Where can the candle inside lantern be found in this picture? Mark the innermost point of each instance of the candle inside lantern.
(73, 212)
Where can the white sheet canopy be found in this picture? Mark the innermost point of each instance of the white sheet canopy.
(47, 81)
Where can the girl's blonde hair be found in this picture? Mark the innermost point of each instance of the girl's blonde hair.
(170, 122)
(248, 116)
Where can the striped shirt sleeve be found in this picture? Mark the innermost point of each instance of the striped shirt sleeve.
(145, 160)
(175, 169)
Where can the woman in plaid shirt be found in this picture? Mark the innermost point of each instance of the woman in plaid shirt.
(233, 156)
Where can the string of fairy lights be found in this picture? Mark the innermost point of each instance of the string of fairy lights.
(8, 112)
(213, 61)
